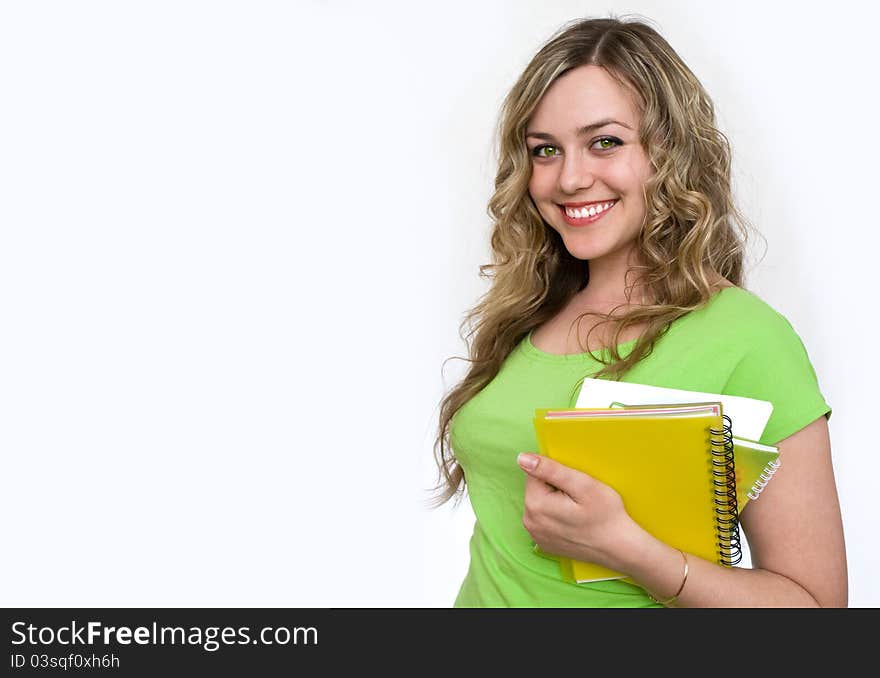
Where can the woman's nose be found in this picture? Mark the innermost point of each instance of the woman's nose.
(576, 174)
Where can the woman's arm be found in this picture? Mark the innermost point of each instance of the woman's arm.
(794, 530)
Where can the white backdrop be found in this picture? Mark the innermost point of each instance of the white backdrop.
(236, 243)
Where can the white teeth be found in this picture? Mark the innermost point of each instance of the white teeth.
(591, 211)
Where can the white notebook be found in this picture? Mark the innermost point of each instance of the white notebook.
(748, 416)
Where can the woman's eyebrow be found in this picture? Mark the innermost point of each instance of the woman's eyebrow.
(586, 129)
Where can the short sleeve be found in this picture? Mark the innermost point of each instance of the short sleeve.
(776, 367)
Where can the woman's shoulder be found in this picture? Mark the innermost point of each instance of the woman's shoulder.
(736, 317)
(768, 360)
(737, 308)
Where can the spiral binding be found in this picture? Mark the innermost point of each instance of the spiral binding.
(724, 481)
(764, 478)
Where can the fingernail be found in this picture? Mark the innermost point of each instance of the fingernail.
(527, 462)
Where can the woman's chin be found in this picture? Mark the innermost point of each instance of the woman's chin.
(592, 248)
(584, 252)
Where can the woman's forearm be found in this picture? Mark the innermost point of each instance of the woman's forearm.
(659, 569)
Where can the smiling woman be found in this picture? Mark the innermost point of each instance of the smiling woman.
(618, 253)
(583, 169)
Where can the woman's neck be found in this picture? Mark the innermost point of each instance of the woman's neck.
(608, 285)
(608, 281)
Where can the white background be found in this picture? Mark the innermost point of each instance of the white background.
(236, 243)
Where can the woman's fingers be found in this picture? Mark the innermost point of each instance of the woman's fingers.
(574, 483)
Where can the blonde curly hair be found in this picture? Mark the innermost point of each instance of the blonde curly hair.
(692, 234)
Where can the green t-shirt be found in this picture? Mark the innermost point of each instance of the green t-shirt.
(735, 345)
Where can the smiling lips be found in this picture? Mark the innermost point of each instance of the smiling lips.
(582, 214)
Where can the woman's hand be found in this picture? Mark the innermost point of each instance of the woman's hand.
(569, 513)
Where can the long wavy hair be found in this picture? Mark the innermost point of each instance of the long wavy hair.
(692, 232)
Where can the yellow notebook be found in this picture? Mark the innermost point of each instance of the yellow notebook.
(755, 464)
(673, 466)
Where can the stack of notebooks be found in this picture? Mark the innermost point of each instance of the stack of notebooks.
(684, 462)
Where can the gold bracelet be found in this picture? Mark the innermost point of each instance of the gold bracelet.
(680, 588)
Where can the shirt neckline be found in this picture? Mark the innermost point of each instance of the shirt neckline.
(530, 349)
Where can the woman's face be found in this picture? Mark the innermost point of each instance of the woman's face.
(583, 139)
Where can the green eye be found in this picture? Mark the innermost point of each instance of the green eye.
(539, 151)
(607, 143)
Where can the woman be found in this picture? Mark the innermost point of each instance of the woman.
(618, 253)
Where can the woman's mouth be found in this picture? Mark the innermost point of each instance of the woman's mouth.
(588, 214)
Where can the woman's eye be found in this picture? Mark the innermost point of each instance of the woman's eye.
(607, 143)
(545, 151)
